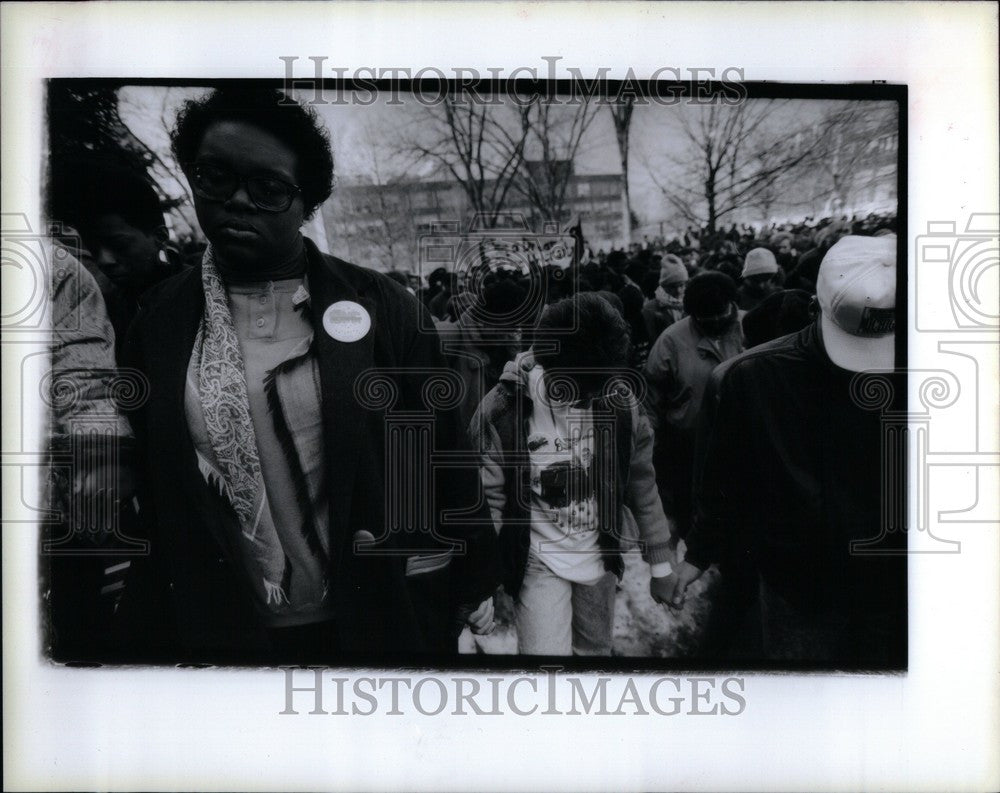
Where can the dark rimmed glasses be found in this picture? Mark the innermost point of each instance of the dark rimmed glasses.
(217, 183)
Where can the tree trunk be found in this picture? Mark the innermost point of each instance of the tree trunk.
(712, 210)
(621, 115)
(627, 209)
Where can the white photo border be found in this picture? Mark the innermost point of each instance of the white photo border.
(934, 727)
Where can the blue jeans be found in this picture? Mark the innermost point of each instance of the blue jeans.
(559, 617)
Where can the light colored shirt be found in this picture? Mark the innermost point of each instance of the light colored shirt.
(564, 511)
(275, 334)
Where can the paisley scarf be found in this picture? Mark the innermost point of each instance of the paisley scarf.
(235, 470)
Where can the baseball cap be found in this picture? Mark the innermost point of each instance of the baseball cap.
(759, 261)
(856, 291)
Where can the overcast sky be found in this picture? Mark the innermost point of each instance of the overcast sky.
(357, 130)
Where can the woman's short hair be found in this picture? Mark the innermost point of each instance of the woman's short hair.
(271, 110)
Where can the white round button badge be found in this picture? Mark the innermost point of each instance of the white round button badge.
(346, 320)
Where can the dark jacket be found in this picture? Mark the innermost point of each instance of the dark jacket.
(790, 472)
(478, 355)
(187, 599)
(679, 366)
(123, 305)
(499, 434)
(657, 318)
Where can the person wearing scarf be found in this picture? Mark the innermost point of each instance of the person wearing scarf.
(564, 450)
(667, 304)
(275, 531)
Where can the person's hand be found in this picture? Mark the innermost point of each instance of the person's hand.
(685, 575)
(662, 588)
(481, 620)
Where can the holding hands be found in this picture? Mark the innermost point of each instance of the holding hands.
(671, 590)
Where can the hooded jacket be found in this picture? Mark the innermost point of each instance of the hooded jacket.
(499, 434)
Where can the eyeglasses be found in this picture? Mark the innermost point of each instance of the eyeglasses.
(216, 183)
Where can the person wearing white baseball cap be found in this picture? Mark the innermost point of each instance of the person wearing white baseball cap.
(856, 290)
(790, 480)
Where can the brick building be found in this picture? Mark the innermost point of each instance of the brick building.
(380, 226)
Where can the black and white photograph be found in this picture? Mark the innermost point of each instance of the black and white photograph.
(376, 370)
(584, 370)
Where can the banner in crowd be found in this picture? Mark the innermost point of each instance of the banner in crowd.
(509, 244)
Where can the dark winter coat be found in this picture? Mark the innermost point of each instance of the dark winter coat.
(187, 600)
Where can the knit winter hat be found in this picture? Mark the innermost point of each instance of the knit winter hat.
(759, 261)
(672, 271)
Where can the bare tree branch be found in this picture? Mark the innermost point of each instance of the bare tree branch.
(733, 158)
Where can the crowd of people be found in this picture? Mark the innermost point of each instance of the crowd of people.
(689, 397)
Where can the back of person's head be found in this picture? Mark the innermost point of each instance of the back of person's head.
(437, 277)
(709, 294)
(636, 271)
(649, 282)
(631, 300)
(614, 300)
(296, 126)
(781, 313)
(616, 260)
(502, 304)
(730, 266)
(590, 337)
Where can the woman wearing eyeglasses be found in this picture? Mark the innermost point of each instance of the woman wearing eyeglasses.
(275, 532)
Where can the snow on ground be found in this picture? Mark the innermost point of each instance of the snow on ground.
(643, 628)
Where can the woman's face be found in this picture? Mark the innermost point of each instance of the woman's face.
(244, 236)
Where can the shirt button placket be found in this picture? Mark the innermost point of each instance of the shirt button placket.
(265, 311)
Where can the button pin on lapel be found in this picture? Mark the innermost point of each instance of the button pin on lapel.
(347, 321)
